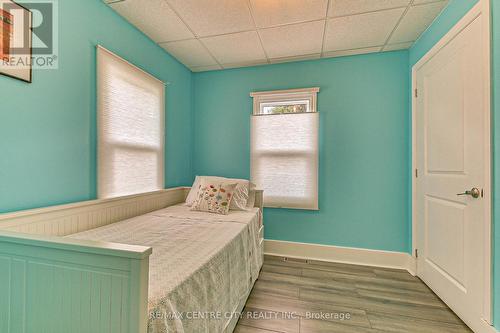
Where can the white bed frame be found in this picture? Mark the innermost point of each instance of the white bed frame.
(60, 285)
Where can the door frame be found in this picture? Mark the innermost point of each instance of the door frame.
(481, 8)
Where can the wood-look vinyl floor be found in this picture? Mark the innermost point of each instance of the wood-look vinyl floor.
(310, 296)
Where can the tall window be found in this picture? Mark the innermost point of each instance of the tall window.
(130, 128)
(284, 147)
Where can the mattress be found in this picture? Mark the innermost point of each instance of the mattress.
(202, 266)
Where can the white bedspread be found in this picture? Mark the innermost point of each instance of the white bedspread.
(201, 268)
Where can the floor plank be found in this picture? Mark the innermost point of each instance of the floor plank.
(270, 320)
(363, 279)
(403, 308)
(399, 295)
(310, 296)
(250, 329)
(276, 288)
(320, 326)
(281, 269)
(394, 323)
(336, 313)
(308, 281)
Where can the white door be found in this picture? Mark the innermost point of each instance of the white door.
(452, 173)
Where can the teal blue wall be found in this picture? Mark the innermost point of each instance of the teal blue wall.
(363, 105)
(455, 10)
(47, 128)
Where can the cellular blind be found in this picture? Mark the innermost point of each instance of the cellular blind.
(130, 128)
(284, 159)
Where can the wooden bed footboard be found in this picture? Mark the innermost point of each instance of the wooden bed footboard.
(56, 285)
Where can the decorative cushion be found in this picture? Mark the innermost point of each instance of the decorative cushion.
(240, 195)
(214, 197)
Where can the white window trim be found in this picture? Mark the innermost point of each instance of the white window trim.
(260, 97)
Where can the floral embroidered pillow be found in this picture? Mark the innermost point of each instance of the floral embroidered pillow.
(214, 197)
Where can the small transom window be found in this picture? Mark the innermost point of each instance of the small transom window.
(284, 101)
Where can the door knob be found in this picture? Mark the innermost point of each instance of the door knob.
(474, 192)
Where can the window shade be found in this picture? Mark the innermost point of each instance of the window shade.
(130, 128)
(284, 159)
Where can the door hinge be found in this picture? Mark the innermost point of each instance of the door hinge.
(416, 93)
(416, 173)
(416, 253)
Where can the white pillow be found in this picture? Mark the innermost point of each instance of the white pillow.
(240, 195)
(214, 197)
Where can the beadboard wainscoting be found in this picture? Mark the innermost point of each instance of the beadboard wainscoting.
(72, 218)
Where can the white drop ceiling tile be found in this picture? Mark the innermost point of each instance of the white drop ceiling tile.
(235, 48)
(360, 31)
(155, 18)
(292, 40)
(245, 64)
(205, 68)
(416, 20)
(268, 13)
(344, 53)
(214, 17)
(398, 46)
(350, 7)
(190, 52)
(295, 58)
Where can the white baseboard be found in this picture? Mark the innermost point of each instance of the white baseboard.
(348, 255)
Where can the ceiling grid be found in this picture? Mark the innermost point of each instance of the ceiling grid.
(218, 34)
